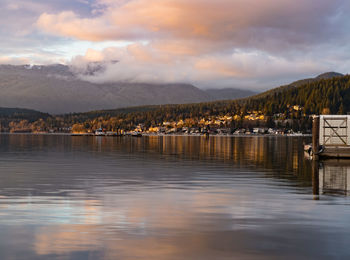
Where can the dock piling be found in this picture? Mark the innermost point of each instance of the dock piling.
(315, 136)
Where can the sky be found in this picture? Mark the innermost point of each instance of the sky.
(251, 44)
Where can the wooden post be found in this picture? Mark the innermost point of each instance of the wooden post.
(315, 149)
(315, 136)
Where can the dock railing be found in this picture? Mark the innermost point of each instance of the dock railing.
(334, 130)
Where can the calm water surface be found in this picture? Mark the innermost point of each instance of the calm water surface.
(64, 197)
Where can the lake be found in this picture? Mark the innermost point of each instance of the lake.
(171, 197)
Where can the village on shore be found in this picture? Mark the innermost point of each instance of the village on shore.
(186, 131)
(254, 123)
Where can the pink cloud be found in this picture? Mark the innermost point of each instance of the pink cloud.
(239, 23)
(200, 41)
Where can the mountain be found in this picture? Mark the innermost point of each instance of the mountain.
(229, 93)
(58, 89)
(21, 113)
(55, 89)
(298, 83)
(332, 95)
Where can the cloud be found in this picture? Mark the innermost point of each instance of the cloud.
(21, 38)
(204, 42)
(139, 63)
(265, 25)
(14, 60)
(207, 42)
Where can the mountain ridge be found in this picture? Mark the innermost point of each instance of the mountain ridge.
(57, 89)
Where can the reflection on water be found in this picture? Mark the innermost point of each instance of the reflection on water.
(334, 177)
(64, 197)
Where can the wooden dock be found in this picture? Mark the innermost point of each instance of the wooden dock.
(331, 136)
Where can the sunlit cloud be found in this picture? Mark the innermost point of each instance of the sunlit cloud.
(208, 43)
(269, 25)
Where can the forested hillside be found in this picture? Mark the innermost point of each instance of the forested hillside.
(325, 95)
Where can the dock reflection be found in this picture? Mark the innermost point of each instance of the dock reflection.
(331, 177)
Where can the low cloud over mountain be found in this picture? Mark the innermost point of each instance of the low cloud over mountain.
(63, 89)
